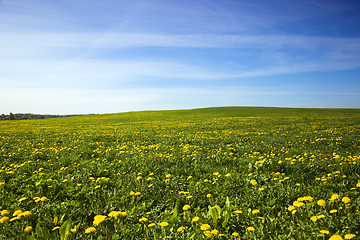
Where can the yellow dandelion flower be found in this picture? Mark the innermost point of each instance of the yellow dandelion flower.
(308, 198)
(151, 225)
(208, 195)
(180, 229)
(350, 236)
(215, 232)
(255, 211)
(24, 214)
(90, 230)
(346, 199)
(334, 197)
(291, 208)
(116, 214)
(321, 202)
(186, 207)
(251, 229)
(314, 218)
(333, 211)
(253, 182)
(324, 231)
(208, 234)
(168, 175)
(73, 230)
(195, 219)
(98, 219)
(54, 228)
(2, 184)
(17, 212)
(143, 220)
(358, 185)
(298, 204)
(164, 224)
(4, 212)
(235, 234)
(137, 193)
(336, 237)
(4, 219)
(238, 211)
(22, 199)
(28, 229)
(205, 227)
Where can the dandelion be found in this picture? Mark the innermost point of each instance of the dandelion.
(357, 185)
(195, 219)
(324, 231)
(24, 214)
(137, 193)
(314, 218)
(205, 227)
(22, 199)
(238, 211)
(336, 237)
(308, 198)
(4, 212)
(235, 234)
(180, 229)
(298, 204)
(253, 182)
(73, 230)
(98, 219)
(334, 197)
(28, 229)
(116, 214)
(4, 219)
(255, 211)
(90, 230)
(346, 199)
(17, 212)
(208, 234)
(164, 224)
(54, 228)
(168, 175)
(250, 229)
(350, 236)
(208, 195)
(228, 175)
(215, 232)
(333, 211)
(321, 203)
(2, 184)
(291, 208)
(143, 220)
(186, 207)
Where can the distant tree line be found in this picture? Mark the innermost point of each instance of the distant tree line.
(24, 116)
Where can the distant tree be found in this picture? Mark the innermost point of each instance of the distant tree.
(11, 116)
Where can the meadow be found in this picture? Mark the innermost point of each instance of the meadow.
(214, 173)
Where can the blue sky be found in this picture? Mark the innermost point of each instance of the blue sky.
(64, 57)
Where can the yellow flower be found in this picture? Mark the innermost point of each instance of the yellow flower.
(44, 199)
(24, 214)
(168, 175)
(235, 234)
(17, 212)
(180, 229)
(298, 204)
(151, 224)
(251, 229)
(208, 234)
(333, 211)
(255, 211)
(291, 208)
(308, 198)
(205, 227)
(54, 228)
(293, 212)
(116, 214)
(321, 202)
(208, 195)
(4, 212)
(346, 199)
(228, 175)
(215, 232)
(90, 230)
(350, 236)
(314, 218)
(253, 182)
(98, 219)
(334, 197)
(2, 184)
(73, 230)
(28, 229)
(137, 193)
(4, 219)
(186, 207)
(324, 231)
(195, 219)
(132, 193)
(143, 220)
(22, 199)
(163, 224)
(238, 211)
(336, 237)
(357, 185)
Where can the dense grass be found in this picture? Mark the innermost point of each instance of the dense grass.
(222, 162)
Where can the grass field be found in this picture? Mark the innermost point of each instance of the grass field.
(221, 173)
